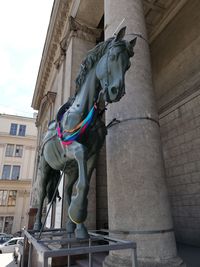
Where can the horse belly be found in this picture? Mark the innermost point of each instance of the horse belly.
(54, 154)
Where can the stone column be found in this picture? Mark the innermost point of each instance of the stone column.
(138, 204)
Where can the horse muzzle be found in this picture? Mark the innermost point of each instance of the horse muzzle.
(114, 94)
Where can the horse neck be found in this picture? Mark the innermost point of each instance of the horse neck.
(88, 92)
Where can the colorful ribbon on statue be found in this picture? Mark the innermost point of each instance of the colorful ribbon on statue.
(78, 130)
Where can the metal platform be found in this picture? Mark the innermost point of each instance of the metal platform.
(57, 243)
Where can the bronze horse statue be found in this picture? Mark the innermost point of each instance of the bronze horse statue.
(72, 142)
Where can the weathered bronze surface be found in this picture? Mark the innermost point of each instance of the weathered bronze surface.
(101, 78)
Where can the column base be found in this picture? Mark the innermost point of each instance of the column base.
(114, 261)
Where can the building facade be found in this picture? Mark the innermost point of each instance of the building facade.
(151, 194)
(17, 149)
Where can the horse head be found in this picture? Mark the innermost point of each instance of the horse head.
(113, 65)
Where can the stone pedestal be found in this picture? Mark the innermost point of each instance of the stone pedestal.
(138, 202)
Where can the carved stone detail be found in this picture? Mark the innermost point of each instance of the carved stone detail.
(158, 13)
(76, 29)
(49, 98)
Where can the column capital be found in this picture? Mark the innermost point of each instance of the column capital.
(76, 29)
(83, 31)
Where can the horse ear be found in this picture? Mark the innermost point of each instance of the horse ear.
(120, 34)
(133, 42)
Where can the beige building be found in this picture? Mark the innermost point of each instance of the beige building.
(17, 154)
(152, 193)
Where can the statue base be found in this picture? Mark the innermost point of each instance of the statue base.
(115, 261)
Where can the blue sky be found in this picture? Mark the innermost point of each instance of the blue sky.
(23, 28)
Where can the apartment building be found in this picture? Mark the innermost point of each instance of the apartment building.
(17, 154)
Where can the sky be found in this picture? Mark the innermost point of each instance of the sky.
(23, 28)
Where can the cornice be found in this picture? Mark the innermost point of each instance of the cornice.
(61, 24)
(158, 15)
(30, 147)
(15, 184)
(191, 90)
(57, 20)
(21, 139)
(16, 117)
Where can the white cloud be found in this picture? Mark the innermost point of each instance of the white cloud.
(23, 27)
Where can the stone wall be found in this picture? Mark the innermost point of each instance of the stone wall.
(175, 61)
(180, 131)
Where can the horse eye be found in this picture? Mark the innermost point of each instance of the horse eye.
(112, 57)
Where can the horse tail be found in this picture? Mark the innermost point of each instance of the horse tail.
(52, 184)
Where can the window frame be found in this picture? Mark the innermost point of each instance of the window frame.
(12, 197)
(13, 128)
(20, 153)
(3, 172)
(8, 224)
(2, 219)
(22, 130)
(9, 150)
(3, 198)
(12, 177)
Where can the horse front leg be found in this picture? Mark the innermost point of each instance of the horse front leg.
(78, 208)
(81, 230)
(72, 176)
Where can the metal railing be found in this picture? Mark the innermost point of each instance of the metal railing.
(57, 243)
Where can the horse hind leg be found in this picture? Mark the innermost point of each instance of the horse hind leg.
(45, 170)
(38, 220)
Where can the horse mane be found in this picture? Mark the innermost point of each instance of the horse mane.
(91, 58)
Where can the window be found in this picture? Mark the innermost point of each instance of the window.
(12, 149)
(18, 151)
(22, 130)
(3, 197)
(6, 171)
(9, 150)
(1, 224)
(13, 129)
(12, 242)
(8, 198)
(8, 224)
(16, 129)
(8, 175)
(15, 172)
(12, 198)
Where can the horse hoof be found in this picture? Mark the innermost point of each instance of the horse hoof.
(37, 226)
(70, 227)
(81, 233)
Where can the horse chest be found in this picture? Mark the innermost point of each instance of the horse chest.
(55, 154)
